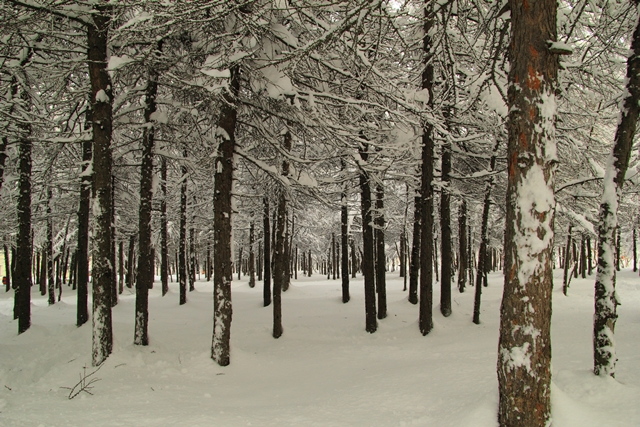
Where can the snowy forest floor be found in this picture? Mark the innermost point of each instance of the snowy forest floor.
(324, 371)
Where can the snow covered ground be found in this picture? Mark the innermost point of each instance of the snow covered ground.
(324, 371)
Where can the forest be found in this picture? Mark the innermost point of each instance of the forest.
(434, 145)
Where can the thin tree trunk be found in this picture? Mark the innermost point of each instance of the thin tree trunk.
(280, 249)
(605, 296)
(130, 273)
(164, 241)
(368, 268)
(381, 284)
(462, 246)
(145, 272)
(121, 267)
(252, 257)
(445, 232)
(583, 258)
(192, 258)
(344, 241)
(49, 249)
(524, 352)
(112, 258)
(414, 261)
(222, 220)
(266, 291)
(182, 246)
(22, 258)
(635, 250)
(7, 269)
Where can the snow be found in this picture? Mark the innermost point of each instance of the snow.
(116, 62)
(101, 96)
(159, 117)
(324, 371)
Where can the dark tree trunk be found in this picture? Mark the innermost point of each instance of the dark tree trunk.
(605, 298)
(483, 255)
(425, 320)
(635, 250)
(618, 248)
(259, 266)
(368, 264)
(354, 259)
(381, 285)
(445, 232)
(252, 257)
(192, 259)
(42, 272)
(462, 246)
(112, 258)
(344, 241)
(129, 278)
(583, 258)
(222, 255)
(266, 292)
(414, 261)
(101, 110)
(22, 272)
(524, 354)
(82, 258)
(145, 271)
(121, 267)
(332, 253)
(182, 246)
(280, 254)
(567, 262)
(164, 240)
(310, 266)
(7, 269)
(49, 250)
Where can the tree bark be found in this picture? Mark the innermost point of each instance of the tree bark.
(145, 271)
(82, 257)
(182, 256)
(462, 246)
(112, 252)
(22, 272)
(425, 320)
(368, 268)
(344, 241)
(445, 232)
(567, 262)
(7, 269)
(381, 258)
(49, 250)
(604, 357)
(414, 261)
(102, 117)
(635, 250)
(266, 291)
(252, 256)
(222, 253)
(164, 240)
(280, 254)
(524, 352)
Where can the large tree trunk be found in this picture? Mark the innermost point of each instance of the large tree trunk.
(164, 240)
(445, 232)
(266, 259)
(462, 246)
(222, 215)
(381, 258)
(524, 355)
(144, 280)
(82, 257)
(280, 260)
(425, 320)
(22, 269)
(182, 245)
(101, 108)
(604, 352)
(368, 267)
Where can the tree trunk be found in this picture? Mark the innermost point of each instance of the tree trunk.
(101, 109)
(280, 254)
(222, 254)
(445, 232)
(524, 355)
(112, 258)
(425, 320)
(618, 249)
(381, 258)
(583, 258)
(344, 241)
(82, 257)
(121, 267)
(414, 261)
(192, 258)
(164, 241)
(589, 257)
(22, 258)
(182, 245)
(368, 267)
(462, 246)
(252, 256)
(266, 291)
(49, 250)
(145, 272)
(7, 269)
(567, 262)
(605, 297)
(635, 250)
